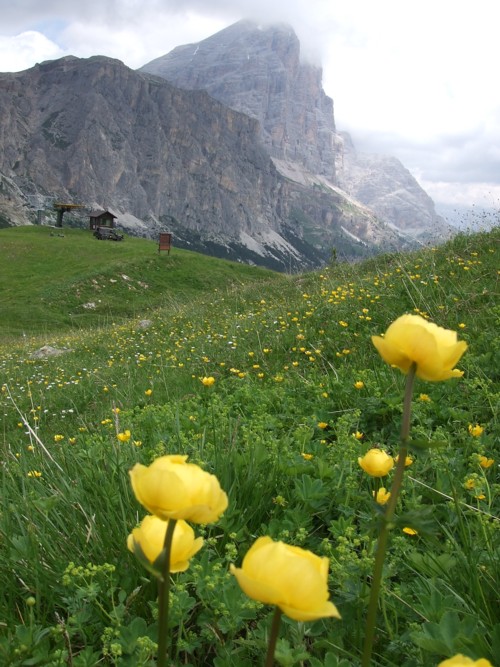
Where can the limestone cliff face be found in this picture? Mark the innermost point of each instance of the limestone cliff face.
(258, 71)
(383, 184)
(95, 132)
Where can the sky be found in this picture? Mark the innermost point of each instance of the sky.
(416, 80)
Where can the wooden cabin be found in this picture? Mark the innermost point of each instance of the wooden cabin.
(102, 219)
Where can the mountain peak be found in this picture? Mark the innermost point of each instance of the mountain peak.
(256, 70)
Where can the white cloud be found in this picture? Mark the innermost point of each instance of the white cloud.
(22, 51)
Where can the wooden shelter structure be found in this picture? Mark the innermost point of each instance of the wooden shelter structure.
(63, 208)
(102, 218)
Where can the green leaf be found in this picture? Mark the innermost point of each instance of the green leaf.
(422, 444)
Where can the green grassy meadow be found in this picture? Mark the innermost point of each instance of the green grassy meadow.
(299, 394)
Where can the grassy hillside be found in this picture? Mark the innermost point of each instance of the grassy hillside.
(49, 276)
(299, 393)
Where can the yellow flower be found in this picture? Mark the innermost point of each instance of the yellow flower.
(485, 462)
(359, 384)
(476, 430)
(358, 435)
(409, 531)
(291, 578)
(382, 495)
(207, 381)
(322, 425)
(376, 462)
(147, 541)
(170, 488)
(124, 437)
(307, 457)
(424, 398)
(148, 392)
(408, 460)
(470, 483)
(58, 438)
(412, 339)
(460, 660)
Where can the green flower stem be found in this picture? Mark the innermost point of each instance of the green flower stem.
(163, 598)
(387, 522)
(273, 638)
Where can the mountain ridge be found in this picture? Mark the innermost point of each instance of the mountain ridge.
(240, 64)
(166, 158)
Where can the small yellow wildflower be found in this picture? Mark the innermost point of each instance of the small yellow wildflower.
(322, 425)
(382, 495)
(481, 496)
(470, 483)
(72, 441)
(34, 473)
(475, 430)
(124, 437)
(359, 384)
(485, 462)
(358, 435)
(424, 398)
(462, 325)
(207, 381)
(408, 460)
(115, 411)
(376, 462)
(148, 392)
(409, 531)
(307, 457)
(58, 438)
(138, 443)
(460, 660)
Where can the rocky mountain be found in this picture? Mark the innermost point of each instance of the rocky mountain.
(258, 184)
(258, 70)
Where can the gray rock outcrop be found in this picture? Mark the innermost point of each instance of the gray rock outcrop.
(258, 70)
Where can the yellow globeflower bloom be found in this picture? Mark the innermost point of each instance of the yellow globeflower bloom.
(485, 462)
(147, 542)
(382, 496)
(475, 430)
(376, 462)
(124, 437)
(408, 460)
(170, 488)
(412, 339)
(460, 660)
(293, 579)
(207, 381)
